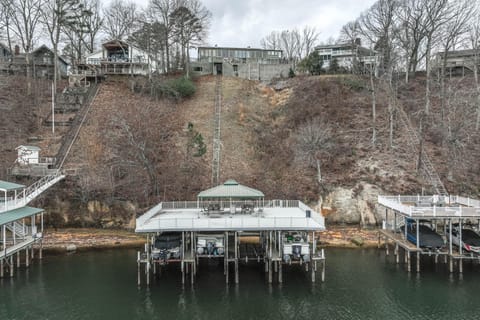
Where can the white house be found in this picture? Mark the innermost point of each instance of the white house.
(28, 155)
(120, 57)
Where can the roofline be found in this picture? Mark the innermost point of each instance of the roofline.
(58, 56)
(230, 229)
(237, 48)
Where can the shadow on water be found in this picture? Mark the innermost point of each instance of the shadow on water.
(360, 284)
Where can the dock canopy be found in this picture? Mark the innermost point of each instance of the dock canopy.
(231, 189)
(6, 186)
(17, 214)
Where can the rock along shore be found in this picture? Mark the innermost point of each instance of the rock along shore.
(82, 239)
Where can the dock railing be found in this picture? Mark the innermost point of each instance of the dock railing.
(433, 206)
(234, 221)
(244, 222)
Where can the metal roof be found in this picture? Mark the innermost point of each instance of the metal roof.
(33, 148)
(231, 189)
(10, 186)
(16, 214)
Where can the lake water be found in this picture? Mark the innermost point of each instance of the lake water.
(360, 284)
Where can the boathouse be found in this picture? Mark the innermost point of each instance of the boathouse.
(217, 225)
(21, 227)
(430, 226)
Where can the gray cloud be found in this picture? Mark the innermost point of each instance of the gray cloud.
(244, 23)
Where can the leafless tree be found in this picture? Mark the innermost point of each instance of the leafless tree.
(309, 39)
(474, 37)
(377, 26)
(25, 19)
(189, 23)
(452, 33)
(6, 13)
(295, 44)
(271, 41)
(312, 142)
(411, 15)
(120, 19)
(93, 22)
(161, 10)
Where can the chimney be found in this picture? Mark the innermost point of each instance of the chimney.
(17, 50)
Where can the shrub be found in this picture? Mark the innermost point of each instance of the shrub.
(183, 86)
(291, 73)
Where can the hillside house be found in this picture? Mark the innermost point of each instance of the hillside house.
(5, 53)
(348, 55)
(118, 57)
(41, 62)
(247, 63)
(458, 62)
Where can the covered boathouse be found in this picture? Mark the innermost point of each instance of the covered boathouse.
(21, 228)
(221, 225)
(431, 226)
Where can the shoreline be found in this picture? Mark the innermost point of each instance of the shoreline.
(91, 239)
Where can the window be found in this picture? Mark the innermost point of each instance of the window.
(198, 69)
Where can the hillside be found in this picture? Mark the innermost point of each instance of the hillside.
(134, 150)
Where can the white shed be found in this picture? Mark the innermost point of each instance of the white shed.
(28, 155)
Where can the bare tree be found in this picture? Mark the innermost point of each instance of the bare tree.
(271, 41)
(57, 14)
(25, 19)
(189, 26)
(120, 19)
(451, 34)
(474, 37)
(309, 39)
(93, 23)
(161, 11)
(6, 13)
(411, 15)
(377, 25)
(312, 141)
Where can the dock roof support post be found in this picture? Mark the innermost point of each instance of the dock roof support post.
(236, 257)
(4, 231)
(460, 247)
(418, 233)
(450, 248)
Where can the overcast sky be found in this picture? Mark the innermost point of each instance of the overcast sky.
(242, 23)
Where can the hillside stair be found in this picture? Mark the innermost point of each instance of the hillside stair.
(216, 132)
(72, 134)
(427, 168)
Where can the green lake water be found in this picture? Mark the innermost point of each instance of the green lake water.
(360, 284)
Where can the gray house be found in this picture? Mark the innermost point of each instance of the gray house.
(348, 55)
(41, 62)
(458, 62)
(247, 63)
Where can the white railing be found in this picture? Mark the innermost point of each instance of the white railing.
(33, 191)
(235, 223)
(149, 214)
(437, 206)
(232, 221)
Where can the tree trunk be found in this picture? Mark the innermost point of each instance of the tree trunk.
(420, 146)
(427, 86)
(319, 172)
(29, 73)
(374, 108)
